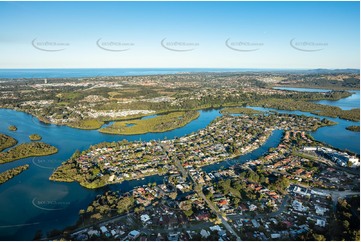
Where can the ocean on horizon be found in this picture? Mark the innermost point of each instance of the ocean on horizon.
(99, 72)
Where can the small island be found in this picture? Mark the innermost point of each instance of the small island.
(35, 137)
(6, 142)
(27, 150)
(160, 123)
(7, 175)
(353, 128)
(12, 128)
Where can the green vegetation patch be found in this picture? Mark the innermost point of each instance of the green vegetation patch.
(70, 96)
(353, 128)
(87, 124)
(345, 227)
(107, 205)
(35, 137)
(314, 108)
(239, 110)
(7, 175)
(27, 150)
(157, 124)
(12, 128)
(319, 81)
(6, 141)
(68, 172)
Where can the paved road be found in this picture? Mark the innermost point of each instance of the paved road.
(335, 195)
(330, 163)
(100, 223)
(219, 215)
(203, 225)
(210, 204)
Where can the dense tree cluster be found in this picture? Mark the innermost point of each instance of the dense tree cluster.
(353, 128)
(27, 150)
(107, 205)
(6, 142)
(318, 109)
(160, 123)
(7, 175)
(35, 137)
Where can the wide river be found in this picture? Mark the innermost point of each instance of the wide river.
(30, 202)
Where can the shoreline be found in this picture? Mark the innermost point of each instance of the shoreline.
(163, 174)
(262, 140)
(51, 151)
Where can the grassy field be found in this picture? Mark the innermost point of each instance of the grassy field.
(27, 150)
(6, 141)
(160, 123)
(239, 110)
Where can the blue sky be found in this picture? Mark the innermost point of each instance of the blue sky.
(194, 34)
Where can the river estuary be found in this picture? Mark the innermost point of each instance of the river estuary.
(30, 202)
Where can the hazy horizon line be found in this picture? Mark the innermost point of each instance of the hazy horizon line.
(221, 68)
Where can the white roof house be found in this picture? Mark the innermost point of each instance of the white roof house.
(204, 233)
(145, 218)
(321, 223)
(298, 206)
(275, 236)
(103, 229)
(215, 227)
(133, 234)
(320, 210)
